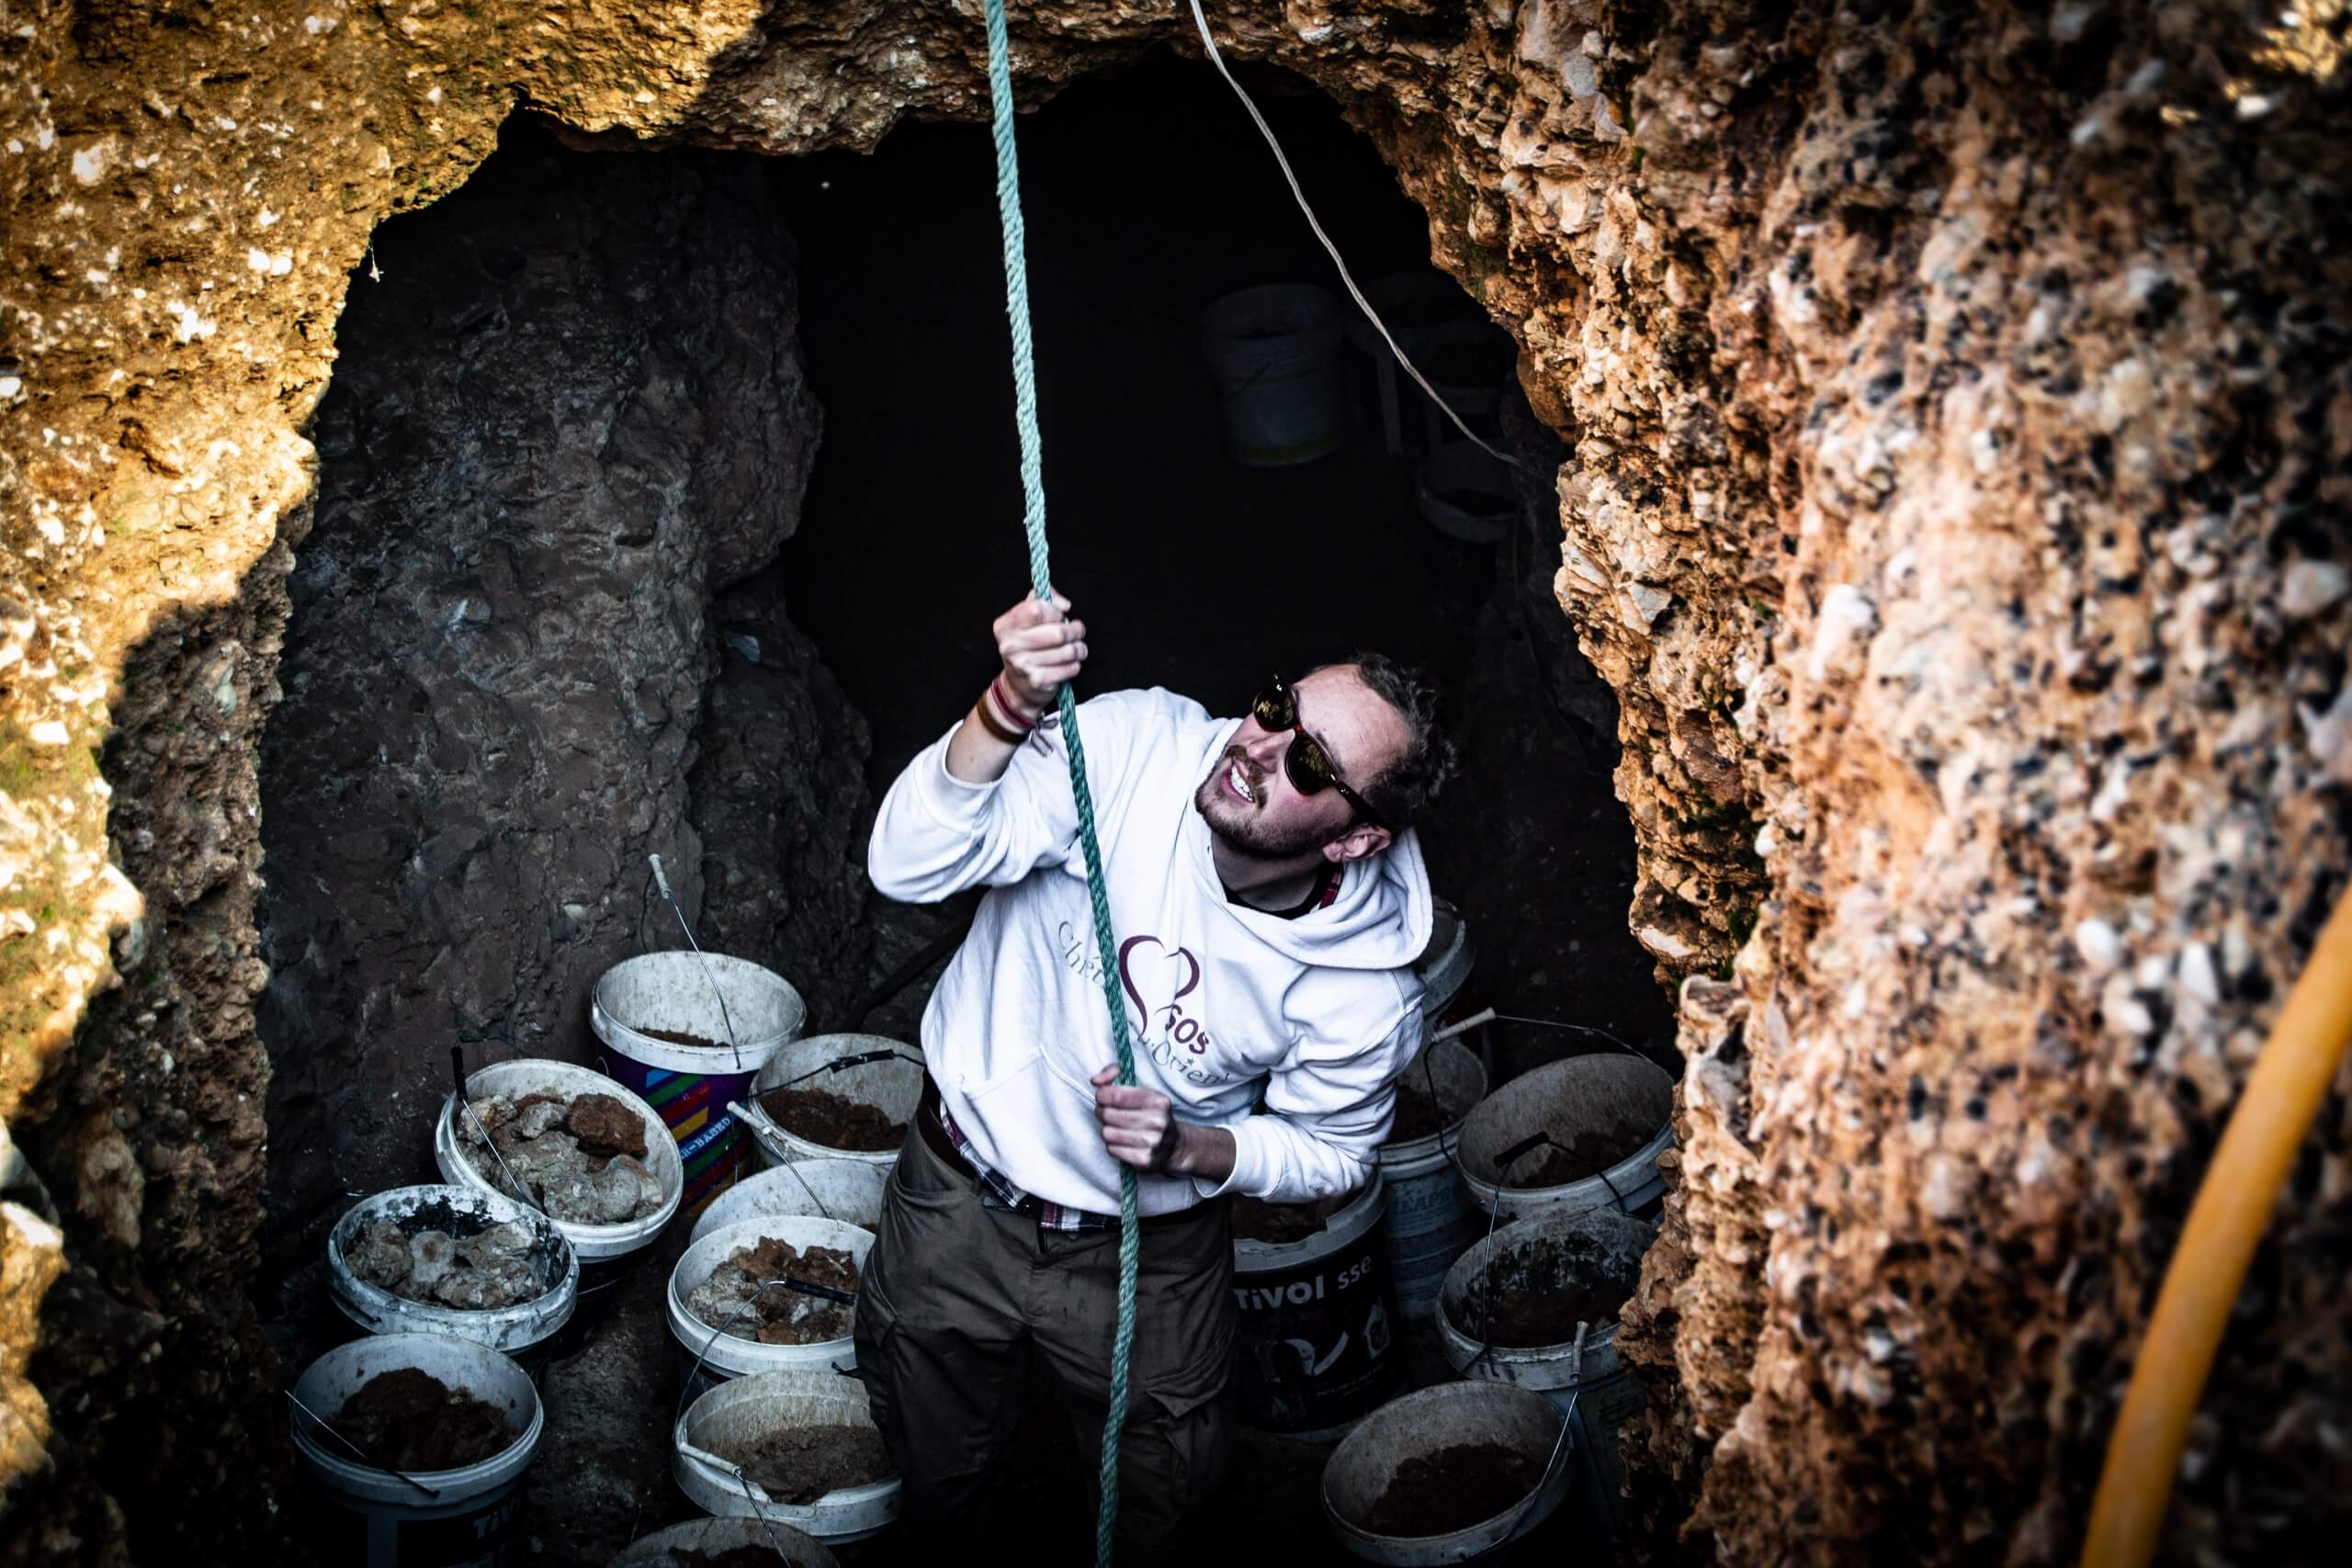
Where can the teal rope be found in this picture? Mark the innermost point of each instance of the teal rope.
(1033, 486)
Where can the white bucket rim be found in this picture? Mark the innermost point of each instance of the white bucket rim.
(1648, 1077)
(593, 1242)
(366, 1303)
(741, 1201)
(736, 1355)
(722, 1532)
(1455, 1545)
(742, 1495)
(373, 1485)
(671, 1057)
(1347, 1224)
(784, 1145)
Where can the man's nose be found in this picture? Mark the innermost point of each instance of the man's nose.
(1265, 750)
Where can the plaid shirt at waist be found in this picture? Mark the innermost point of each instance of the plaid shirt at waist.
(999, 1192)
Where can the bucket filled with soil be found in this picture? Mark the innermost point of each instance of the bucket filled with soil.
(798, 1446)
(1316, 1334)
(1580, 1134)
(1508, 1314)
(720, 1314)
(1447, 1474)
(849, 1190)
(665, 1036)
(453, 1260)
(593, 1157)
(424, 1443)
(812, 1106)
(726, 1543)
(1427, 1222)
(1467, 493)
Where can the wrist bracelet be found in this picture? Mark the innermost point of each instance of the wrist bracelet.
(984, 711)
(1008, 710)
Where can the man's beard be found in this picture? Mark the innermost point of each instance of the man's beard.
(1252, 837)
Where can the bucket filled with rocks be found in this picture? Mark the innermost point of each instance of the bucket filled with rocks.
(726, 1543)
(773, 1294)
(1447, 1474)
(453, 1260)
(836, 1097)
(587, 1153)
(1580, 1134)
(418, 1442)
(796, 1446)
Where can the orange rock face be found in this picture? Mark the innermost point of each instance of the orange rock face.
(1960, 419)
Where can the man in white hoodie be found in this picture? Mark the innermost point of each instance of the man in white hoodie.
(1267, 897)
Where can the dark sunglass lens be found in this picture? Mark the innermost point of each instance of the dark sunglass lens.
(1308, 768)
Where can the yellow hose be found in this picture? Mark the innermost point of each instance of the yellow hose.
(2241, 1187)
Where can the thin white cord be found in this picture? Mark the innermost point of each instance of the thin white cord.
(1347, 277)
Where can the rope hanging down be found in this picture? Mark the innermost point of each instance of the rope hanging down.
(1033, 486)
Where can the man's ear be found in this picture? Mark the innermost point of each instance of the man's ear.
(1359, 843)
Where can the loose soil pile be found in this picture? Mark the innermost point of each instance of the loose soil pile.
(1257, 1219)
(831, 1121)
(407, 1419)
(490, 1268)
(1526, 1319)
(783, 1315)
(1459, 1485)
(1594, 1149)
(582, 1160)
(1418, 1115)
(801, 1464)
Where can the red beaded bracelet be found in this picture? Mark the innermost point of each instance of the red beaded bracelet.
(1005, 706)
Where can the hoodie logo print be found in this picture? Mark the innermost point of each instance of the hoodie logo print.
(1175, 1023)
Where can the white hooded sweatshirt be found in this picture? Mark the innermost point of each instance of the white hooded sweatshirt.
(1323, 1008)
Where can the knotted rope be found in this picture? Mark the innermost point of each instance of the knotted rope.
(1033, 487)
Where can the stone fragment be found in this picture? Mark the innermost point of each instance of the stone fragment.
(606, 1127)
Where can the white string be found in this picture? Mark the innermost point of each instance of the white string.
(1347, 277)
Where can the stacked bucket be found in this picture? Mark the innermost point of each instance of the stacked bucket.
(694, 1099)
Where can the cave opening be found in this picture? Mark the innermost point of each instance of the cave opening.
(665, 502)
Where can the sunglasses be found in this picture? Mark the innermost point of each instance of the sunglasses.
(1309, 765)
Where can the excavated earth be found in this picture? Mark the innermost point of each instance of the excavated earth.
(1960, 405)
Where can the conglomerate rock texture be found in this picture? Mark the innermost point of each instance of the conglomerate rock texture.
(573, 412)
(1959, 414)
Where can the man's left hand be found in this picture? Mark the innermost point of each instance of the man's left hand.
(1137, 1127)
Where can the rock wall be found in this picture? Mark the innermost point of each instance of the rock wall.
(570, 413)
(1958, 414)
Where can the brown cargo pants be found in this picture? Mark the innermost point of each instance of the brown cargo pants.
(956, 1299)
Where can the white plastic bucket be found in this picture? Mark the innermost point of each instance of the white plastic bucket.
(849, 1190)
(714, 1537)
(1361, 1467)
(1428, 1223)
(1315, 1331)
(892, 1086)
(724, 1356)
(1467, 493)
(1562, 1100)
(1445, 964)
(537, 1075)
(1595, 1246)
(472, 1519)
(690, 1086)
(1469, 363)
(1275, 353)
(460, 1212)
(744, 1410)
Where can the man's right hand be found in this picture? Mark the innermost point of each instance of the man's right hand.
(1042, 651)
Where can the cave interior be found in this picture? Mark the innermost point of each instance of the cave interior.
(665, 502)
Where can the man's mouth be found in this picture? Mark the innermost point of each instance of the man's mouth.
(1239, 782)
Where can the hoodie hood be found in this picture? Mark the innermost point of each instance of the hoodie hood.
(1381, 919)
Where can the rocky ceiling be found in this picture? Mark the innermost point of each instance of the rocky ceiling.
(1961, 415)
